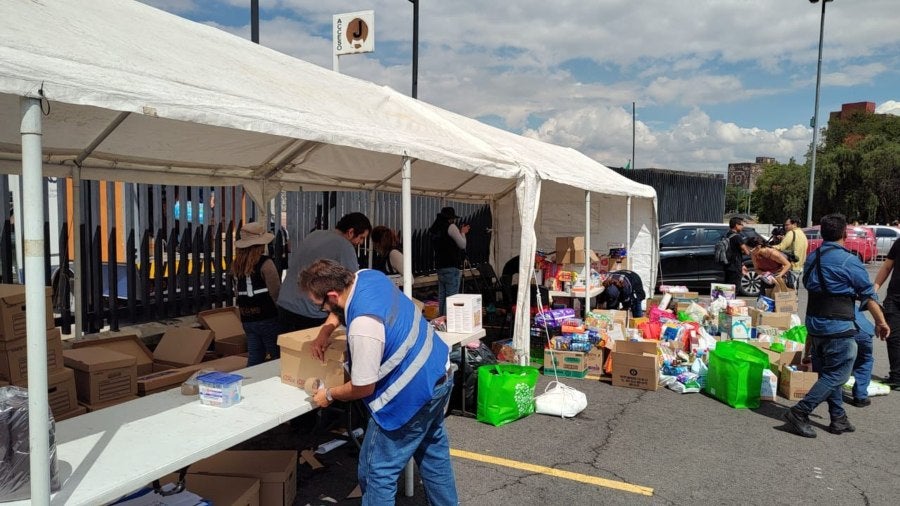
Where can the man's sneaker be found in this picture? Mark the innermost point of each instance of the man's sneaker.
(841, 425)
(860, 403)
(798, 423)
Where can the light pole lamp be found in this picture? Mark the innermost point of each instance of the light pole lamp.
(815, 121)
(415, 50)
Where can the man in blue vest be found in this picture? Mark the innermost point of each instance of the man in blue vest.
(399, 367)
(835, 279)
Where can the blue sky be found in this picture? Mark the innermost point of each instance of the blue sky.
(714, 81)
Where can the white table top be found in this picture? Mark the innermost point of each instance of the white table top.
(108, 453)
(461, 338)
(577, 295)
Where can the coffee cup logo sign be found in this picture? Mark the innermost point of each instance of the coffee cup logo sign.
(354, 32)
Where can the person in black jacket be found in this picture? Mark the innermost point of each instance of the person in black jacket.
(449, 244)
(623, 290)
(256, 286)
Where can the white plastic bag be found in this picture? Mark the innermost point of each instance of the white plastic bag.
(560, 400)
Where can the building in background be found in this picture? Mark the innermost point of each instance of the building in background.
(745, 174)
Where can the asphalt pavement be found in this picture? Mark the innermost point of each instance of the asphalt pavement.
(640, 447)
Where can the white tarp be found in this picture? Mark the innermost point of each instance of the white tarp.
(184, 103)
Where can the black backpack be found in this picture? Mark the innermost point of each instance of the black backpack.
(722, 253)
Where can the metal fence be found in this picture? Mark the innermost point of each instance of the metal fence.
(683, 196)
(153, 252)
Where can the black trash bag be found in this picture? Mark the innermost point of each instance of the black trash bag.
(465, 379)
(15, 470)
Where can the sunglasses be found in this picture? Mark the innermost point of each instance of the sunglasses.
(322, 305)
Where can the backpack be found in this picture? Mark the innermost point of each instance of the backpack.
(721, 254)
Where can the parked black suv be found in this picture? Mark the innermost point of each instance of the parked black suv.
(686, 257)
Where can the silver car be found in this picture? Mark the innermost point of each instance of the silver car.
(884, 238)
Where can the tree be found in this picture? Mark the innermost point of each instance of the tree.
(781, 191)
(735, 199)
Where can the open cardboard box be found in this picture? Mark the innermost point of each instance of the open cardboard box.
(275, 469)
(635, 364)
(129, 344)
(220, 490)
(225, 322)
(298, 364)
(181, 346)
(164, 380)
(769, 319)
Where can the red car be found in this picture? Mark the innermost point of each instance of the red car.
(860, 240)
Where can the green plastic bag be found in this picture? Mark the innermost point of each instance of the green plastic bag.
(735, 373)
(505, 392)
(797, 334)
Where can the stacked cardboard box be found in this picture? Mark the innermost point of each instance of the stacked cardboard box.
(570, 250)
(228, 332)
(128, 344)
(102, 377)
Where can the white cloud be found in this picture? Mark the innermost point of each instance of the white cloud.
(505, 59)
(889, 107)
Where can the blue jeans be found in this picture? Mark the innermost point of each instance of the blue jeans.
(862, 367)
(385, 453)
(448, 285)
(833, 360)
(262, 338)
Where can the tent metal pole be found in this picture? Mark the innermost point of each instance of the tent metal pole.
(406, 205)
(76, 254)
(372, 218)
(628, 262)
(587, 252)
(36, 302)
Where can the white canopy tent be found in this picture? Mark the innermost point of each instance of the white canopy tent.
(135, 94)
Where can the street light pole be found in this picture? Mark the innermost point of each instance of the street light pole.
(415, 50)
(254, 21)
(815, 125)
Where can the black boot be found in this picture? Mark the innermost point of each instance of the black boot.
(841, 425)
(798, 423)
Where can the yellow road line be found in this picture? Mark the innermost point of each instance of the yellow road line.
(583, 478)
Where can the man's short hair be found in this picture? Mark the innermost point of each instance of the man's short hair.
(793, 220)
(733, 222)
(357, 221)
(833, 226)
(323, 276)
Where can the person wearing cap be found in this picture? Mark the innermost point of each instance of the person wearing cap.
(449, 244)
(400, 369)
(256, 288)
(295, 310)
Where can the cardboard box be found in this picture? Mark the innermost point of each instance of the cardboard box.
(14, 357)
(298, 364)
(616, 315)
(225, 322)
(12, 312)
(102, 375)
(161, 381)
(777, 320)
(129, 344)
(96, 407)
(568, 361)
(635, 364)
(464, 312)
(61, 391)
(786, 302)
(80, 410)
(181, 346)
(734, 327)
(570, 250)
(794, 385)
(220, 490)
(275, 469)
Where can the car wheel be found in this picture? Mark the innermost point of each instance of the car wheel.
(751, 284)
